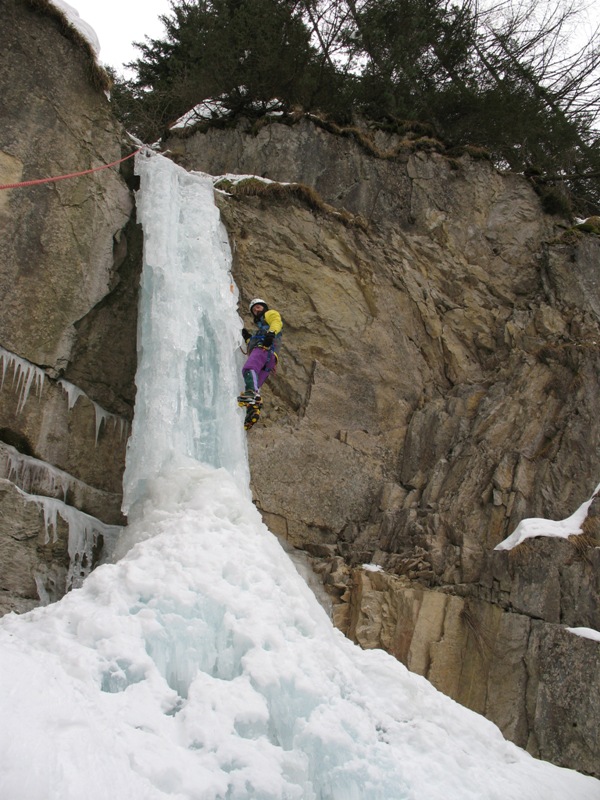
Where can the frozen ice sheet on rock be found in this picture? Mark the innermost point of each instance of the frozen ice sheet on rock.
(189, 333)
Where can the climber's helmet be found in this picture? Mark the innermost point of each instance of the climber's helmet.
(256, 302)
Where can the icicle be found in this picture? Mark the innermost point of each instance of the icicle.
(41, 589)
(84, 531)
(73, 392)
(83, 537)
(50, 509)
(28, 472)
(123, 426)
(24, 374)
(102, 415)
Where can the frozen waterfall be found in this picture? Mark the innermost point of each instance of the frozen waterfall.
(198, 665)
(188, 333)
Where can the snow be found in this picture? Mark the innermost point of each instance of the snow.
(529, 528)
(84, 28)
(586, 633)
(234, 178)
(197, 664)
(207, 110)
(217, 108)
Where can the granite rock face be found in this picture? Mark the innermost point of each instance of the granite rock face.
(57, 262)
(438, 384)
(69, 263)
(536, 680)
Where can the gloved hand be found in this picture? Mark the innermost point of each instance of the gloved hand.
(268, 340)
(246, 334)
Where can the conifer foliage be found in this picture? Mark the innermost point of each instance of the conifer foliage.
(499, 77)
(246, 53)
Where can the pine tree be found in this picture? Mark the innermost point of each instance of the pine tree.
(487, 78)
(244, 52)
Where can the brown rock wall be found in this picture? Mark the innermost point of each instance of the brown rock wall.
(68, 284)
(475, 436)
(85, 441)
(57, 258)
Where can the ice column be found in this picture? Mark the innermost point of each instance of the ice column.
(189, 359)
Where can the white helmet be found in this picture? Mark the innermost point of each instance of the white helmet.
(255, 302)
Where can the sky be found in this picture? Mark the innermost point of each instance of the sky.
(196, 664)
(120, 22)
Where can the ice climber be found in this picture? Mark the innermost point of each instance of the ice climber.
(263, 347)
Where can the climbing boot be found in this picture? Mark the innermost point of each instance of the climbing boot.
(249, 398)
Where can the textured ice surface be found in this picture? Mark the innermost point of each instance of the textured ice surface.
(189, 332)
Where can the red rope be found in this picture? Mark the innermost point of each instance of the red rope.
(70, 175)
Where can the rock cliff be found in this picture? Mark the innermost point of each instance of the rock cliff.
(68, 270)
(438, 381)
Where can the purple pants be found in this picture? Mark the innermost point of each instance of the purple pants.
(259, 364)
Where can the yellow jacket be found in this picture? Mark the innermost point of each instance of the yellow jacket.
(273, 319)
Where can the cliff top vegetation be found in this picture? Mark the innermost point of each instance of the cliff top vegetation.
(500, 77)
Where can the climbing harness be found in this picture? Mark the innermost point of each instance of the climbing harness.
(267, 367)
